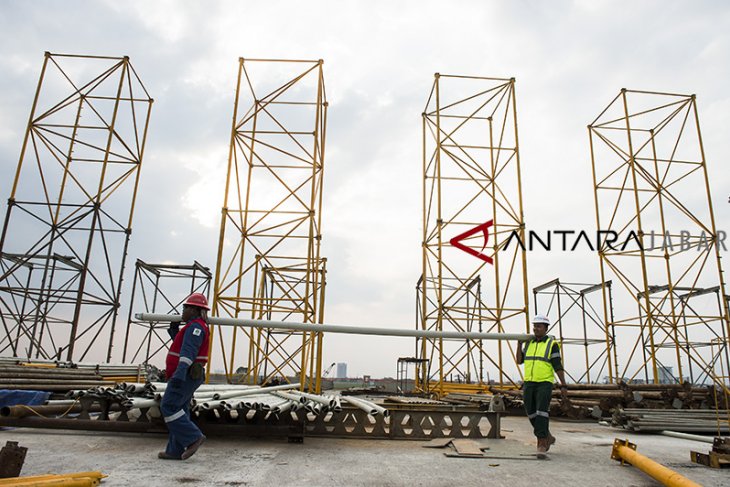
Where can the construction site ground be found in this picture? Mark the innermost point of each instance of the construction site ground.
(580, 457)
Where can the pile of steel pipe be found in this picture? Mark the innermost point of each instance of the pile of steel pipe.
(480, 400)
(117, 372)
(276, 399)
(79, 386)
(596, 400)
(680, 420)
(50, 378)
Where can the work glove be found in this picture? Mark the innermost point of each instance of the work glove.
(196, 371)
(173, 329)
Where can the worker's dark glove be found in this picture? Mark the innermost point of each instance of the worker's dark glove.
(196, 371)
(173, 329)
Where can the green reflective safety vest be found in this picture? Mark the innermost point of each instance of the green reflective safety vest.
(537, 361)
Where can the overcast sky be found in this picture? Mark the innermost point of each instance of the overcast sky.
(569, 59)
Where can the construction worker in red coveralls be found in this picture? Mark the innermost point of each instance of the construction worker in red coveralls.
(185, 372)
(541, 356)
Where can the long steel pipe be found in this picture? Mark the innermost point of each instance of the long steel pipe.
(21, 411)
(291, 397)
(687, 436)
(367, 406)
(324, 400)
(254, 391)
(353, 330)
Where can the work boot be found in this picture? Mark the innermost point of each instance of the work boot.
(164, 456)
(542, 447)
(550, 441)
(192, 448)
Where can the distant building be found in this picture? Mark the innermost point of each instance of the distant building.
(341, 370)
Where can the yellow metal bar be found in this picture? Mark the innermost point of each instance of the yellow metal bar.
(46, 56)
(222, 234)
(439, 224)
(644, 272)
(421, 378)
(521, 214)
(624, 451)
(84, 478)
(496, 223)
(673, 316)
(60, 482)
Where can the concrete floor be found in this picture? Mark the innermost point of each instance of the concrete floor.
(580, 457)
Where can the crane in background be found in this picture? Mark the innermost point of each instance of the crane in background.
(326, 373)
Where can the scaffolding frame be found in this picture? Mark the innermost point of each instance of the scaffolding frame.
(271, 213)
(69, 216)
(471, 173)
(648, 165)
(580, 324)
(153, 289)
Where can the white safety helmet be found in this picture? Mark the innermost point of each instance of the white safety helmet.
(541, 319)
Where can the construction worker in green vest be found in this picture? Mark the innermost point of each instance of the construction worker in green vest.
(541, 358)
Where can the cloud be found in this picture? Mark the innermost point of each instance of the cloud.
(569, 59)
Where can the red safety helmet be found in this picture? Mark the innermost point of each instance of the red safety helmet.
(197, 299)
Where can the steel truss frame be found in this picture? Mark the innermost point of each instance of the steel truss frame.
(650, 178)
(579, 321)
(69, 217)
(153, 289)
(272, 208)
(471, 175)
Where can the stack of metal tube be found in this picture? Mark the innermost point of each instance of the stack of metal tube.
(119, 387)
(242, 398)
(48, 378)
(597, 400)
(681, 420)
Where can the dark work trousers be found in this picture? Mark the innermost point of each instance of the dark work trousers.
(175, 408)
(536, 396)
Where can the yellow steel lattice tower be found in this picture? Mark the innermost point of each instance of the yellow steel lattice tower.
(269, 264)
(661, 248)
(472, 186)
(69, 217)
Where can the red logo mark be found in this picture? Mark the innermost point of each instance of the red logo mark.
(484, 228)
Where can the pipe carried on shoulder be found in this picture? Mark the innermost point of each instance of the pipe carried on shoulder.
(353, 330)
